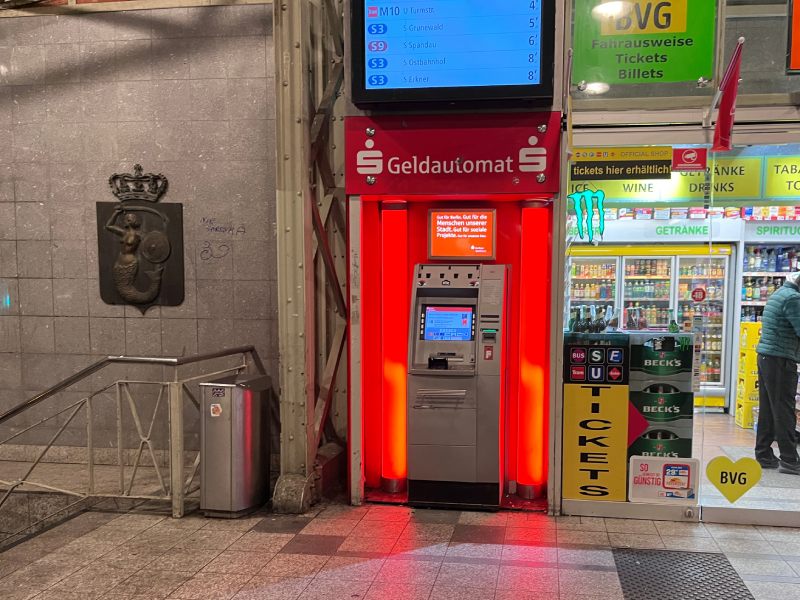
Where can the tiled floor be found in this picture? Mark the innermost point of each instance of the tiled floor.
(373, 552)
(718, 435)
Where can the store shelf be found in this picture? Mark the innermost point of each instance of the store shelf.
(767, 274)
(649, 277)
(754, 302)
(607, 278)
(695, 277)
(630, 299)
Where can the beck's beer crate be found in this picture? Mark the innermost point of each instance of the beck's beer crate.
(663, 401)
(665, 439)
(661, 355)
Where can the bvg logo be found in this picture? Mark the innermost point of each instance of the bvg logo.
(647, 17)
(369, 161)
(585, 204)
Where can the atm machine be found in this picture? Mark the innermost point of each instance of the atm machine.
(456, 385)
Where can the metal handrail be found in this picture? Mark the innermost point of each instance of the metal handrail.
(94, 367)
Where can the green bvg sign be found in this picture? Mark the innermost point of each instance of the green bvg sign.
(643, 41)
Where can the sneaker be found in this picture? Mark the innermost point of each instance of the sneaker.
(769, 464)
(789, 468)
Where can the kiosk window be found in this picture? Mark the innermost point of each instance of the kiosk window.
(448, 324)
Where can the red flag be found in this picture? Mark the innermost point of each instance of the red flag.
(727, 108)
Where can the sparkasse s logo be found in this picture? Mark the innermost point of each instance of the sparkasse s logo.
(530, 159)
(369, 161)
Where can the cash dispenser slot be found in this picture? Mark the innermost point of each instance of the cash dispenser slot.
(443, 360)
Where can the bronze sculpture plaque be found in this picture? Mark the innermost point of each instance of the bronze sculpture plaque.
(140, 243)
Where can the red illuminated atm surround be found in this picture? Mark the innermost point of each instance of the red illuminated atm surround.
(400, 168)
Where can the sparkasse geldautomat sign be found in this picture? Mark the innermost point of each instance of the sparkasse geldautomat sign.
(453, 154)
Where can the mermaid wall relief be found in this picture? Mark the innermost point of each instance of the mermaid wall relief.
(140, 243)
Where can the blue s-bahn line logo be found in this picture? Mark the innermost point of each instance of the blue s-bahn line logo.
(378, 63)
(377, 29)
(378, 80)
(585, 204)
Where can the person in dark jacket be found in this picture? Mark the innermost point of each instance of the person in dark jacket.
(778, 355)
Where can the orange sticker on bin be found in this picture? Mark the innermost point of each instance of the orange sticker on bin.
(466, 234)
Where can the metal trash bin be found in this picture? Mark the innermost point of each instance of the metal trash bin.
(234, 445)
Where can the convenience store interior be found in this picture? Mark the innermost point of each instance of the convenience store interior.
(655, 252)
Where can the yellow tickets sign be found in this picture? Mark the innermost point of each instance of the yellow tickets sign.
(595, 463)
(783, 177)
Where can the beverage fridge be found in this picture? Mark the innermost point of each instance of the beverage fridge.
(764, 269)
(656, 283)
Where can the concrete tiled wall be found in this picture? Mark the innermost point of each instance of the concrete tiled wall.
(185, 92)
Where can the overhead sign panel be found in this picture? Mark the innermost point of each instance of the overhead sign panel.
(731, 179)
(510, 153)
(643, 41)
(599, 164)
(449, 50)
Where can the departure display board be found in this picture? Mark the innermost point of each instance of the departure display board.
(450, 50)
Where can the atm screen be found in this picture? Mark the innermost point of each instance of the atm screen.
(448, 323)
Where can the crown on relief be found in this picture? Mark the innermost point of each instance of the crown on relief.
(138, 186)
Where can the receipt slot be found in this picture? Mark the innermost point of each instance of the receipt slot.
(455, 385)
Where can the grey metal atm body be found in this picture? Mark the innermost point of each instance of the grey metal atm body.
(454, 385)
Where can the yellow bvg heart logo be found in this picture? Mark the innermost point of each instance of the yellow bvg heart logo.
(733, 479)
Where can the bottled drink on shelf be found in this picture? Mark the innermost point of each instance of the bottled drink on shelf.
(673, 324)
(630, 318)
